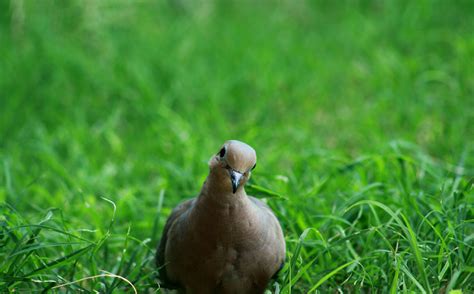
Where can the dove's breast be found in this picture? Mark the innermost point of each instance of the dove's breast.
(228, 248)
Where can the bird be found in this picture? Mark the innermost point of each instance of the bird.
(222, 241)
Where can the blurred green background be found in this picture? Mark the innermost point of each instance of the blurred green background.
(128, 100)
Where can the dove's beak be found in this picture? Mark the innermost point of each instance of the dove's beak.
(235, 177)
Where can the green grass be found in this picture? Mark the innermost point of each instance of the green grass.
(361, 113)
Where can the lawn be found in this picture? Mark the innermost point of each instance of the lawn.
(361, 113)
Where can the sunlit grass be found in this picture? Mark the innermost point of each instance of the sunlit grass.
(360, 112)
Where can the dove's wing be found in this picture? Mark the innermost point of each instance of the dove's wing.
(278, 247)
(160, 253)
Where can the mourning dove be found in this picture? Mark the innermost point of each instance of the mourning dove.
(222, 241)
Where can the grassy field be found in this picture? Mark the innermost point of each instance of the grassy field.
(361, 112)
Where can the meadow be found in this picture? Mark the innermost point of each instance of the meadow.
(361, 113)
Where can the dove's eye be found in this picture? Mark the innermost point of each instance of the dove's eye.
(222, 152)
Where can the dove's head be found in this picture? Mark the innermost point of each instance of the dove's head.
(233, 164)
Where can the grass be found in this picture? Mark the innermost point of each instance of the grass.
(360, 111)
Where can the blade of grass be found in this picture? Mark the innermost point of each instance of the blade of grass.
(61, 261)
(329, 275)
